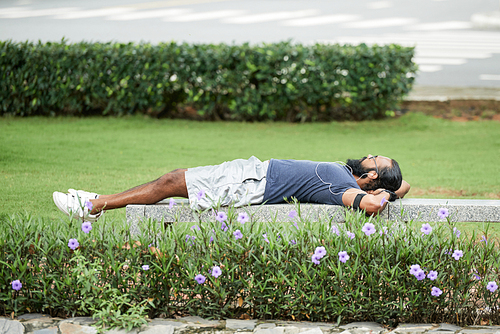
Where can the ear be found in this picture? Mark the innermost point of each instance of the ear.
(372, 175)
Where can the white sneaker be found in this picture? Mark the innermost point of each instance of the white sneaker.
(83, 194)
(74, 206)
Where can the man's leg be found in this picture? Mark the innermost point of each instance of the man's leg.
(172, 184)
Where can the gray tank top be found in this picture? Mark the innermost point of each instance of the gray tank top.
(301, 179)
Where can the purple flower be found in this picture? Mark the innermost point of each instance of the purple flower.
(89, 205)
(420, 275)
(189, 237)
(443, 213)
(335, 230)
(368, 229)
(221, 216)
(350, 235)
(492, 286)
(343, 257)
(292, 214)
(224, 227)
(86, 227)
(457, 254)
(73, 244)
(384, 231)
(414, 268)
(426, 229)
(237, 234)
(483, 239)
(457, 232)
(432, 275)
(296, 225)
(477, 277)
(171, 203)
(383, 201)
(145, 267)
(436, 292)
(200, 194)
(320, 251)
(315, 258)
(211, 239)
(265, 237)
(216, 272)
(195, 227)
(243, 217)
(293, 242)
(16, 285)
(200, 278)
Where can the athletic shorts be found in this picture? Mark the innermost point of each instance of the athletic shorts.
(239, 183)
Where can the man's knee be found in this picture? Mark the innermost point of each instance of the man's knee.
(178, 170)
(174, 182)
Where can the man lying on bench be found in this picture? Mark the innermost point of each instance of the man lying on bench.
(365, 184)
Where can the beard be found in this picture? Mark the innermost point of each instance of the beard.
(361, 172)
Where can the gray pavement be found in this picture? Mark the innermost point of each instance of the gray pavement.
(446, 93)
(42, 324)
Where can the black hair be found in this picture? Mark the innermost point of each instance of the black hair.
(390, 178)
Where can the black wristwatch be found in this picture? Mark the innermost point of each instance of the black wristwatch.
(393, 196)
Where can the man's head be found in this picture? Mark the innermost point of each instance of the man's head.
(382, 172)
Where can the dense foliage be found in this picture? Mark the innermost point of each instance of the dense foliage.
(281, 81)
(230, 267)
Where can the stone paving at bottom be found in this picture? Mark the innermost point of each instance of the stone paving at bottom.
(43, 324)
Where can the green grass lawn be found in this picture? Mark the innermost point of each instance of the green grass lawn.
(439, 158)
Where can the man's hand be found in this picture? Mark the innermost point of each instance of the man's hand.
(401, 192)
(374, 202)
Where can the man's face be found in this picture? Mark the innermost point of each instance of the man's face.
(361, 168)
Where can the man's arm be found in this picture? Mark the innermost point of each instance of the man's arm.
(371, 203)
(403, 190)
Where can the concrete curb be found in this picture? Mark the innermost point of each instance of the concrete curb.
(42, 324)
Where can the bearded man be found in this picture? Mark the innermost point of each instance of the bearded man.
(364, 184)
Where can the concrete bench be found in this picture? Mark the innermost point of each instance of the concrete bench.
(461, 210)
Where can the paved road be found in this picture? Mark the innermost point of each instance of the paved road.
(449, 51)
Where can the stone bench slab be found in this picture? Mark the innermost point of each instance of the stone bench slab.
(424, 210)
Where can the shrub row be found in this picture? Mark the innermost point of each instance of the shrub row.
(227, 267)
(281, 81)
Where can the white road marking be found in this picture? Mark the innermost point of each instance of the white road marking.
(320, 20)
(489, 77)
(168, 3)
(219, 14)
(380, 4)
(429, 68)
(84, 14)
(148, 14)
(381, 23)
(20, 12)
(450, 53)
(439, 61)
(447, 25)
(273, 16)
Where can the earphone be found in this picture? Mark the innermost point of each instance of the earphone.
(328, 183)
(331, 184)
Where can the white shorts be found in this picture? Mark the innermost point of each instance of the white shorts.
(239, 182)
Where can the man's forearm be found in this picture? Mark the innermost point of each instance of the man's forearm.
(403, 190)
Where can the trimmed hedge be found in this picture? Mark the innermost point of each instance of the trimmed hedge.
(281, 81)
